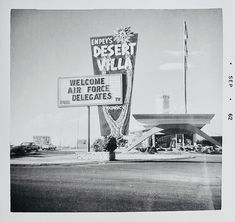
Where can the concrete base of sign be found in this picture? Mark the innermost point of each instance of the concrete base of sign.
(96, 156)
(111, 156)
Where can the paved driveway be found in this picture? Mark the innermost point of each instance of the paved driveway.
(193, 184)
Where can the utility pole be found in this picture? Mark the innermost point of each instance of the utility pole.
(185, 84)
(185, 64)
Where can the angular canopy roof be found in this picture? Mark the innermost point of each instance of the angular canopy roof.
(166, 123)
(165, 120)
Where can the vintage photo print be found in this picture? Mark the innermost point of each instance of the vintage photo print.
(116, 110)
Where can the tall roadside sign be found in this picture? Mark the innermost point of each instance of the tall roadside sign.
(111, 55)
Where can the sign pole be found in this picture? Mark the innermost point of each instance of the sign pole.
(185, 84)
(185, 64)
(88, 141)
(77, 132)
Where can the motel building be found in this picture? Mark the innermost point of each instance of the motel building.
(174, 131)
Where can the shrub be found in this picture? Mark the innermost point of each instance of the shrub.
(111, 144)
(99, 145)
(121, 142)
(108, 144)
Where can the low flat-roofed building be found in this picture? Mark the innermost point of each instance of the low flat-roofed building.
(181, 126)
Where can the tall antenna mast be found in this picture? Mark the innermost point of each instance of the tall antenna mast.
(185, 64)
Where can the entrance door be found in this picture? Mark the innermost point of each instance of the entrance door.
(179, 140)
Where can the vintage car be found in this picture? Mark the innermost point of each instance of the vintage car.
(25, 147)
(48, 147)
(212, 150)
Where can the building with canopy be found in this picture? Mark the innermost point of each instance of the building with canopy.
(180, 128)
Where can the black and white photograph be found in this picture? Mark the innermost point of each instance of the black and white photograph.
(118, 110)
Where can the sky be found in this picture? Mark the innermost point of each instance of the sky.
(47, 44)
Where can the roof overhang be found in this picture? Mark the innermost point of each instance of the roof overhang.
(168, 120)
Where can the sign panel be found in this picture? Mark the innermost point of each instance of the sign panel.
(42, 140)
(90, 90)
(115, 54)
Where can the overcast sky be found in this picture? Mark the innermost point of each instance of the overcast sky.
(46, 45)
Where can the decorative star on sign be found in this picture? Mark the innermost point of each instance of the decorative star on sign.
(123, 34)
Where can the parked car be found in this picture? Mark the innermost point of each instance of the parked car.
(161, 149)
(48, 147)
(212, 150)
(141, 149)
(189, 148)
(25, 147)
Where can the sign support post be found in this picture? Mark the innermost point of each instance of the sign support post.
(88, 135)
